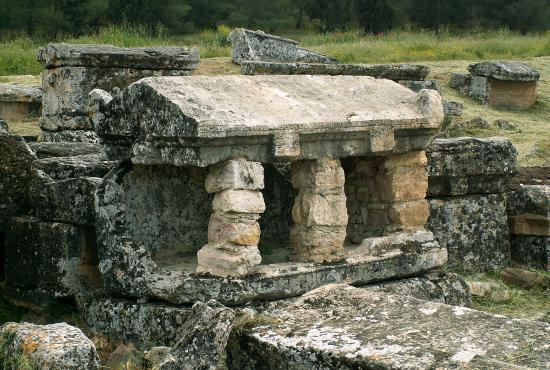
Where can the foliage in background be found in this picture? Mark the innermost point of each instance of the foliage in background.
(56, 19)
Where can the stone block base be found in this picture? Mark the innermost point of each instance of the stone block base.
(474, 229)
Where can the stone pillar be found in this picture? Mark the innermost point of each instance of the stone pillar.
(403, 183)
(319, 213)
(233, 231)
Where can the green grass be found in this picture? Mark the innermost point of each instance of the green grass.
(19, 56)
(522, 303)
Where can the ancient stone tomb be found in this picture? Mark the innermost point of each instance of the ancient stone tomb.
(211, 166)
(500, 84)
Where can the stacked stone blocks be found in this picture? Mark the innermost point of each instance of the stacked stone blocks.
(233, 231)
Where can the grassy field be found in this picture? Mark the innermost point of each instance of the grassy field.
(18, 57)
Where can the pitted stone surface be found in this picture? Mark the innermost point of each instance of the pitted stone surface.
(15, 177)
(89, 55)
(53, 347)
(349, 328)
(529, 210)
(140, 323)
(62, 168)
(470, 165)
(203, 338)
(56, 149)
(505, 70)
(236, 174)
(474, 229)
(260, 46)
(20, 93)
(204, 119)
(532, 252)
(71, 136)
(409, 75)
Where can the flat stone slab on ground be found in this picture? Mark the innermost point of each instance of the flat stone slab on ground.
(206, 119)
(405, 72)
(348, 328)
(89, 55)
(54, 347)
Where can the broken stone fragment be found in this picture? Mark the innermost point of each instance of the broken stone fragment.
(54, 346)
(524, 279)
(235, 174)
(203, 339)
(239, 201)
(505, 70)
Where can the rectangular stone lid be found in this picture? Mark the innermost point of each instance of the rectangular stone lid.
(285, 107)
(84, 55)
(505, 70)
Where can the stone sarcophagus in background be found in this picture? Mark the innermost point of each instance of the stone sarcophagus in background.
(242, 188)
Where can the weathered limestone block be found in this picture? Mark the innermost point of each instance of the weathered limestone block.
(474, 229)
(531, 252)
(70, 200)
(420, 85)
(479, 88)
(409, 75)
(260, 46)
(452, 108)
(239, 201)
(505, 70)
(460, 82)
(66, 89)
(19, 102)
(410, 214)
(140, 323)
(233, 230)
(319, 213)
(529, 210)
(203, 338)
(446, 288)
(236, 174)
(469, 165)
(89, 55)
(49, 258)
(378, 116)
(56, 149)
(73, 136)
(238, 229)
(62, 168)
(15, 177)
(343, 327)
(403, 178)
(54, 347)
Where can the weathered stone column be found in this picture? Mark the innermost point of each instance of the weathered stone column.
(319, 212)
(403, 183)
(233, 231)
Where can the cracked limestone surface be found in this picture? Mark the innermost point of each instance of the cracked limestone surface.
(343, 327)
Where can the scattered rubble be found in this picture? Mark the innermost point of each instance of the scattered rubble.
(524, 279)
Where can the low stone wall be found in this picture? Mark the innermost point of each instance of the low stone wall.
(20, 102)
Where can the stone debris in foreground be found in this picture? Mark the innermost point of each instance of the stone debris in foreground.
(407, 73)
(52, 347)
(343, 327)
(298, 117)
(203, 339)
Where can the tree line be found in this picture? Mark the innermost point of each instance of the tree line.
(53, 18)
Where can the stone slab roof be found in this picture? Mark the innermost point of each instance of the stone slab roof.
(276, 112)
(505, 70)
(75, 55)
